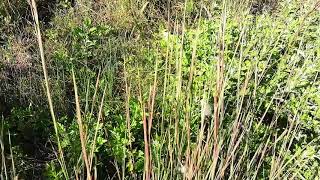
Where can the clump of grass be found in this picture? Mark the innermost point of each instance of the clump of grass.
(226, 151)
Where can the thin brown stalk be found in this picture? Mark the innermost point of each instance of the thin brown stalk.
(81, 130)
(151, 111)
(127, 105)
(97, 128)
(45, 73)
(127, 109)
(218, 98)
(145, 136)
(153, 95)
(76, 174)
(146, 145)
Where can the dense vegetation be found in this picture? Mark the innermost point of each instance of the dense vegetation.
(160, 89)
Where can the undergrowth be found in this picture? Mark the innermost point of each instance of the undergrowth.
(160, 90)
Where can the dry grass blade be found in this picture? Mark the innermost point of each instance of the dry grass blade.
(81, 130)
(97, 128)
(127, 109)
(146, 145)
(45, 73)
(218, 98)
(145, 136)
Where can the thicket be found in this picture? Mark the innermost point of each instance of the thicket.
(160, 89)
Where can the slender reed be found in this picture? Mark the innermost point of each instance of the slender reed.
(81, 129)
(46, 77)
